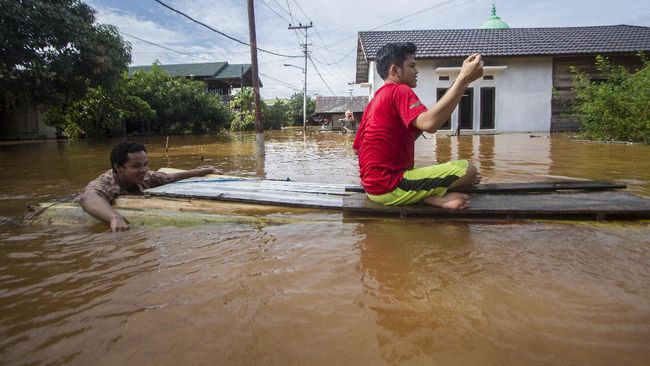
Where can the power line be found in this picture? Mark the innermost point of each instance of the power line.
(157, 45)
(203, 58)
(420, 14)
(219, 32)
(321, 76)
(330, 70)
(165, 47)
(402, 18)
(341, 60)
(280, 81)
(290, 15)
(334, 72)
(300, 8)
(276, 13)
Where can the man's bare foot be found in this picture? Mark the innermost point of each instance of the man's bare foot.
(477, 180)
(452, 201)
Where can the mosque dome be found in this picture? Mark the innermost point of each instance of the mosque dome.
(495, 22)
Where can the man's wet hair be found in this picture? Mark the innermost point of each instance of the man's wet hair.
(393, 54)
(120, 152)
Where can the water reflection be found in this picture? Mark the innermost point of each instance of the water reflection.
(499, 157)
(459, 294)
(407, 274)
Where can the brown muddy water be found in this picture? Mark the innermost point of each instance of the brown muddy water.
(324, 289)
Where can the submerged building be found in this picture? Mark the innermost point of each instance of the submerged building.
(527, 81)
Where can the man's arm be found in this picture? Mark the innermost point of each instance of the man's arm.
(193, 173)
(99, 208)
(432, 119)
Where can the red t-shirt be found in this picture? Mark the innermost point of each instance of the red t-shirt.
(385, 140)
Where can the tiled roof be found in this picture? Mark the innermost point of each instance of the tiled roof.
(207, 70)
(340, 104)
(514, 41)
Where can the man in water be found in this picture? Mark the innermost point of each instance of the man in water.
(130, 174)
(391, 123)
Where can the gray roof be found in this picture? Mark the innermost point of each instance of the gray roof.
(508, 42)
(340, 104)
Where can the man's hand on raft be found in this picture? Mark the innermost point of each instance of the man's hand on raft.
(119, 223)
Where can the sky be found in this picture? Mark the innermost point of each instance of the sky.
(333, 38)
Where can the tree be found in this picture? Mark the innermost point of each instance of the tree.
(52, 52)
(615, 107)
(100, 111)
(181, 105)
(294, 109)
(149, 102)
(242, 106)
(275, 114)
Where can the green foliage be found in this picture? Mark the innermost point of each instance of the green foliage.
(243, 121)
(149, 102)
(100, 111)
(243, 100)
(294, 114)
(275, 115)
(616, 108)
(244, 114)
(52, 52)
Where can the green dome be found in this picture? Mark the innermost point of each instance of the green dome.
(495, 22)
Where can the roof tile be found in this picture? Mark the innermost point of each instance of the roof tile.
(514, 41)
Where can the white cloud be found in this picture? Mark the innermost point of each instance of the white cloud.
(335, 21)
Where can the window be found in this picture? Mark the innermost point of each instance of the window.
(447, 125)
(466, 110)
(488, 77)
(441, 78)
(487, 108)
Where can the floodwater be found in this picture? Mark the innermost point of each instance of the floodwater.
(324, 289)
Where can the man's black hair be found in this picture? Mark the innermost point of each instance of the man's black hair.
(120, 153)
(393, 54)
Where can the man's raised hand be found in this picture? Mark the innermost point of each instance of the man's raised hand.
(472, 68)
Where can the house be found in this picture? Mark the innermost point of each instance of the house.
(526, 85)
(219, 77)
(330, 110)
(28, 123)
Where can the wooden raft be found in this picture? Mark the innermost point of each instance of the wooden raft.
(571, 206)
(587, 200)
(284, 193)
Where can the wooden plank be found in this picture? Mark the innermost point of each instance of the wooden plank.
(243, 193)
(532, 187)
(594, 205)
(257, 184)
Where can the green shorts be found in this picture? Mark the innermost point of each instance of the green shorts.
(419, 183)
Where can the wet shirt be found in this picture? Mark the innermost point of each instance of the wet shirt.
(386, 137)
(107, 187)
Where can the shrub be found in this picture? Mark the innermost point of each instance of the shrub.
(616, 107)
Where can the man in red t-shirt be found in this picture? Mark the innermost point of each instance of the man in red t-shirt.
(394, 119)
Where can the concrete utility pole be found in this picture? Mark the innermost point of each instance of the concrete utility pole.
(304, 91)
(259, 135)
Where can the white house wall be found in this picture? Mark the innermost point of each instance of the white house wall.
(523, 92)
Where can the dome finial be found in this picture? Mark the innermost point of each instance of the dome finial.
(494, 22)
